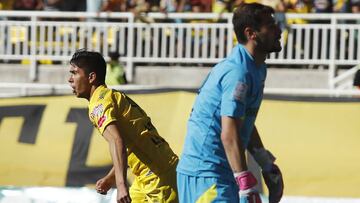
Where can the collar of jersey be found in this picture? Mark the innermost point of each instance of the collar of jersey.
(251, 58)
(97, 92)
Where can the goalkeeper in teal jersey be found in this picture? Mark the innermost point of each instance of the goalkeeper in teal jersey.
(221, 127)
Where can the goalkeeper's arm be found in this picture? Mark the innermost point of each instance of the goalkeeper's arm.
(235, 154)
(234, 149)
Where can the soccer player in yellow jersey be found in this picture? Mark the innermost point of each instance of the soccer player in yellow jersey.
(132, 138)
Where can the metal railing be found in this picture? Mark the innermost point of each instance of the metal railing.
(183, 38)
(34, 89)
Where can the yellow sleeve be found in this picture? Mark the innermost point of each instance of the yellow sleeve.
(103, 113)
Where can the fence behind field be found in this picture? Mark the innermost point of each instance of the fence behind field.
(175, 38)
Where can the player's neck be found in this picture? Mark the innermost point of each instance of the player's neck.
(92, 90)
(258, 55)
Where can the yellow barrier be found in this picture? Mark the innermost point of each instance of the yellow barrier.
(317, 145)
(47, 141)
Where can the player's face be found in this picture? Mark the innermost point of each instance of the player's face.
(269, 35)
(79, 82)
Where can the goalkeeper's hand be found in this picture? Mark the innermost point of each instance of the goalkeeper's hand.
(274, 182)
(247, 182)
(271, 173)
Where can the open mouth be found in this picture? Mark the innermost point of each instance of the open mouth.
(73, 89)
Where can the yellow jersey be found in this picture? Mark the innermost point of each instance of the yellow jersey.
(146, 149)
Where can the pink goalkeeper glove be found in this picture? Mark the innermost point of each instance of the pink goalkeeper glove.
(247, 182)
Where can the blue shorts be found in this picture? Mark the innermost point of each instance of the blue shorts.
(193, 189)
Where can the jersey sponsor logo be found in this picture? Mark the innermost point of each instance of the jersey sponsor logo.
(101, 121)
(240, 91)
(97, 111)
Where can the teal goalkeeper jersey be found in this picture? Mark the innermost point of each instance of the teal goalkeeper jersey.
(233, 88)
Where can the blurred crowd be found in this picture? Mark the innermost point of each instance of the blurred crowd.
(217, 6)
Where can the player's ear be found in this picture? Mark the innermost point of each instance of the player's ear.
(250, 33)
(92, 77)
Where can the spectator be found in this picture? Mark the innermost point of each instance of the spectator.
(154, 5)
(201, 6)
(280, 10)
(94, 6)
(52, 5)
(221, 6)
(114, 6)
(6, 4)
(169, 6)
(355, 6)
(297, 6)
(71, 5)
(272, 3)
(139, 8)
(27, 5)
(341, 6)
(323, 6)
(180, 5)
(115, 70)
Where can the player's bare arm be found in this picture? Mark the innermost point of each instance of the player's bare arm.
(234, 150)
(235, 153)
(119, 157)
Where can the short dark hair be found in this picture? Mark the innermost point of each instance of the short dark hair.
(249, 15)
(90, 61)
(355, 2)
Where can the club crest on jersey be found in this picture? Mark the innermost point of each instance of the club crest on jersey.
(102, 94)
(240, 91)
(97, 111)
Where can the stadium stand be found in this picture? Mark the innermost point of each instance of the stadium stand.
(327, 42)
